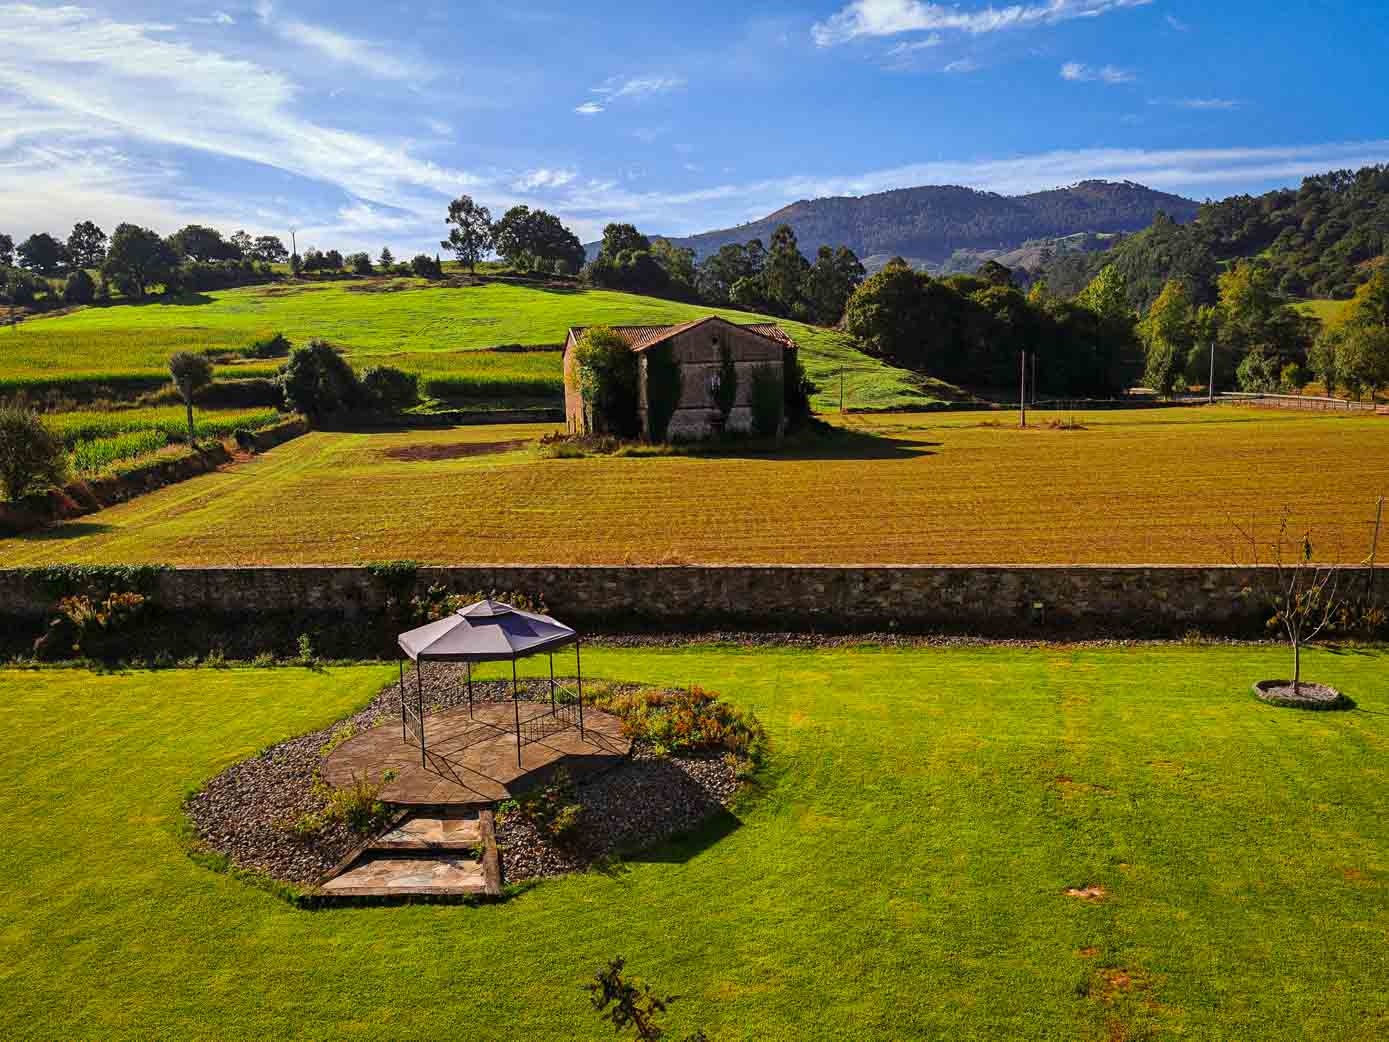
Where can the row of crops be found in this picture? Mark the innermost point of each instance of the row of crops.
(97, 439)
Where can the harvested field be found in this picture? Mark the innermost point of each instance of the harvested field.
(1155, 486)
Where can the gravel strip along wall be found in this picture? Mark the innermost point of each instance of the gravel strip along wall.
(1000, 601)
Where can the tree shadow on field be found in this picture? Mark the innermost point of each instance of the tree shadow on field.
(833, 443)
(66, 530)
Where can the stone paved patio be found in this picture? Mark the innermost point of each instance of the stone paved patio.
(390, 874)
(471, 756)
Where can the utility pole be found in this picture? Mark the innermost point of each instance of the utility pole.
(841, 390)
(1034, 377)
(1210, 384)
(293, 249)
(1022, 389)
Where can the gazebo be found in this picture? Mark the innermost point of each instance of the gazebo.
(493, 631)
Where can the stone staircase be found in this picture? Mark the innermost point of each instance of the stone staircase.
(427, 853)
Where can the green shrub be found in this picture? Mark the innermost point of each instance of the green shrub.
(768, 401)
(79, 289)
(678, 720)
(799, 392)
(552, 809)
(391, 389)
(32, 457)
(608, 382)
(437, 602)
(259, 390)
(317, 381)
(275, 345)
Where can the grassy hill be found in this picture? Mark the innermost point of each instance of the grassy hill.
(436, 329)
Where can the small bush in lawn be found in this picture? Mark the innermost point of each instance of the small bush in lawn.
(274, 345)
(317, 381)
(391, 389)
(32, 457)
(674, 721)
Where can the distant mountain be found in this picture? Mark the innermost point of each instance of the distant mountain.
(930, 224)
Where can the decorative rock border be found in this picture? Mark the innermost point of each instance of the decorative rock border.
(1307, 696)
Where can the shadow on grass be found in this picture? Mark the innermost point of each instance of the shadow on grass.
(186, 300)
(67, 530)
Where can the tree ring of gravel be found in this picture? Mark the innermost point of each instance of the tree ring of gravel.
(244, 812)
(1307, 696)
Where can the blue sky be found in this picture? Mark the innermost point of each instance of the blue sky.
(355, 123)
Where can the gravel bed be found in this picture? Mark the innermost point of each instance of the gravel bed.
(247, 811)
(635, 805)
(1306, 696)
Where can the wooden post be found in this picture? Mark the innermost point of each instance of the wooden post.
(1210, 384)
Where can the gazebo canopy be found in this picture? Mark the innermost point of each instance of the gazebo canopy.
(487, 631)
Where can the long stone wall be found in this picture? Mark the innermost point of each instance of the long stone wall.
(989, 600)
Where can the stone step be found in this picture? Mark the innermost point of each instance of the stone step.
(432, 832)
(433, 853)
(409, 874)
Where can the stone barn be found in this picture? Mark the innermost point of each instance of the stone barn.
(696, 349)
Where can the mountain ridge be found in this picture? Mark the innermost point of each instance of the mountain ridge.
(928, 224)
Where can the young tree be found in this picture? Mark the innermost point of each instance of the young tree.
(608, 382)
(1324, 358)
(42, 254)
(622, 238)
(1167, 338)
(785, 273)
(6, 251)
(86, 245)
(269, 250)
(361, 263)
(32, 457)
(631, 1003)
(386, 260)
(199, 243)
(471, 235)
(137, 258)
(191, 373)
(79, 288)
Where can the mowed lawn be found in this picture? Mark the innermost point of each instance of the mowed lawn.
(1146, 486)
(901, 874)
(434, 329)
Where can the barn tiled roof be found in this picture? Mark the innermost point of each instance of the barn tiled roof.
(642, 337)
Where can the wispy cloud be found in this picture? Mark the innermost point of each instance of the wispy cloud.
(215, 18)
(543, 178)
(588, 108)
(890, 17)
(1176, 23)
(1209, 103)
(962, 65)
(349, 50)
(1079, 72)
(911, 47)
(639, 87)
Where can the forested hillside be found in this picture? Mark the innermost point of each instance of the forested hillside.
(931, 223)
(1320, 240)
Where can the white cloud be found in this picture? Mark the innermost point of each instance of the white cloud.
(438, 126)
(1208, 103)
(890, 17)
(934, 40)
(118, 80)
(589, 108)
(349, 50)
(1080, 72)
(543, 178)
(215, 18)
(1177, 24)
(639, 86)
(962, 65)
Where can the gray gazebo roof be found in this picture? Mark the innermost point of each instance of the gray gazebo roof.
(486, 631)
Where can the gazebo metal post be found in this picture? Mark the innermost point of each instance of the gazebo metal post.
(516, 706)
(469, 664)
(579, 674)
(402, 698)
(419, 706)
(552, 683)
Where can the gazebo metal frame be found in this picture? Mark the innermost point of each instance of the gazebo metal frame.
(493, 631)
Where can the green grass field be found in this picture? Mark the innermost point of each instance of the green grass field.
(97, 438)
(1137, 486)
(436, 330)
(1330, 312)
(902, 873)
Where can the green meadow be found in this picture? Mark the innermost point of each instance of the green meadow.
(900, 870)
(437, 330)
